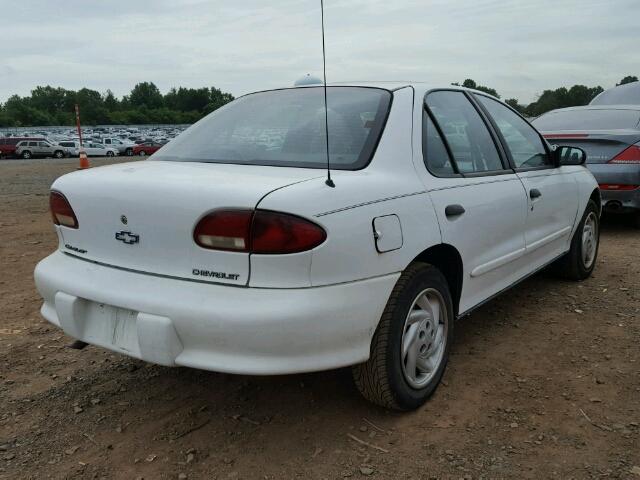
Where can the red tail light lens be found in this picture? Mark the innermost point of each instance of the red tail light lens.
(630, 155)
(259, 231)
(61, 210)
(274, 232)
(616, 186)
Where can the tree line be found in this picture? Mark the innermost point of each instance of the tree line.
(145, 104)
(562, 97)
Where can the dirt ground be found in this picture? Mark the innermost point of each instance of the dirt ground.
(543, 382)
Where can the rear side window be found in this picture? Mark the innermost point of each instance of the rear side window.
(436, 157)
(287, 128)
(470, 142)
(588, 119)
(523, 142)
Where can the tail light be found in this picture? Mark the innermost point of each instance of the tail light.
(630, 155)
(61, 210)
(617, 186)
(259, 231)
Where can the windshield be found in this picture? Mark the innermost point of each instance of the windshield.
(287, 128)
(588, 120)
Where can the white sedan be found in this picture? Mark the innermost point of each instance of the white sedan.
(230, 251)
(94, 149)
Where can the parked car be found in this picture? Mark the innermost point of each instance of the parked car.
(39, 148)
(611, 137)
(146, 148)
(94, 149)
(8, 145)
(232, 251)
(118, 144)
(71, 147)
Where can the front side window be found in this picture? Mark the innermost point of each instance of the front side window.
(469, 139)
(287, 128)
(523, 142)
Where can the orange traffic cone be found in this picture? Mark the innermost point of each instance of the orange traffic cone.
(84, 160)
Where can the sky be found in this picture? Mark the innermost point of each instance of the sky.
(520, 48)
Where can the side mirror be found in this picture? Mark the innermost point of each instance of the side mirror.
(565, 155)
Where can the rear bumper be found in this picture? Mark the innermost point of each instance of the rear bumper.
(212, 327)
(621, 201)
(618, 200)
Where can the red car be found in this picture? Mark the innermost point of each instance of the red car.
(146, 148)
(8, 145)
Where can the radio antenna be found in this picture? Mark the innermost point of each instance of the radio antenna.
(328, 181)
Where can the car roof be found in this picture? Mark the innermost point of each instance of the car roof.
(626, 94)
(421, 88)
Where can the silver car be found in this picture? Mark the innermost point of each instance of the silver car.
(116, 143)
(71, 147)
(610, 135)
(39, 148)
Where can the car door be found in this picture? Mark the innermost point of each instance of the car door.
(90, 149)
(480, 202)
(45, 149)
(552, 191)
(35, 149)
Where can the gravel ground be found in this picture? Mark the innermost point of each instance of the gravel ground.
(543, 382)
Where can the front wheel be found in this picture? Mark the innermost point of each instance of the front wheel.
(129, 152)
(410, 347)
(142, 153)
(580, 261)
(58, 154)
(109, 153)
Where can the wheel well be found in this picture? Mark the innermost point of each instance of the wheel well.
(448, 260)
(595, 196)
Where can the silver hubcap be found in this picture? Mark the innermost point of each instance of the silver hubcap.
(423, 339)
(589, 240)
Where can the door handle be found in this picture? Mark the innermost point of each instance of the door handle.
(534, 193)
(454, 210)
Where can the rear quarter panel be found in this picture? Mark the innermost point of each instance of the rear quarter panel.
(389, 185)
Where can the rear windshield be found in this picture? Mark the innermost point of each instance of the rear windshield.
(287, 128)
(588, 120)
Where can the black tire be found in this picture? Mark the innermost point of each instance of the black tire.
(109, 153)
(129, 152)
(142, 153)
(58, 154)
(382, 379)
(26, 154)
(572, 266)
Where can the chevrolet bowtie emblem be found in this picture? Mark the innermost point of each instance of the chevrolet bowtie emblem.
(127, 237)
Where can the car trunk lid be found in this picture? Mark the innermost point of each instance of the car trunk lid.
(600, 145)
(141, 215)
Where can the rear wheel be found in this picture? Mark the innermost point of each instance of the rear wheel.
(26, 154)
(129, 152)
(410, 347)
(580, 261)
